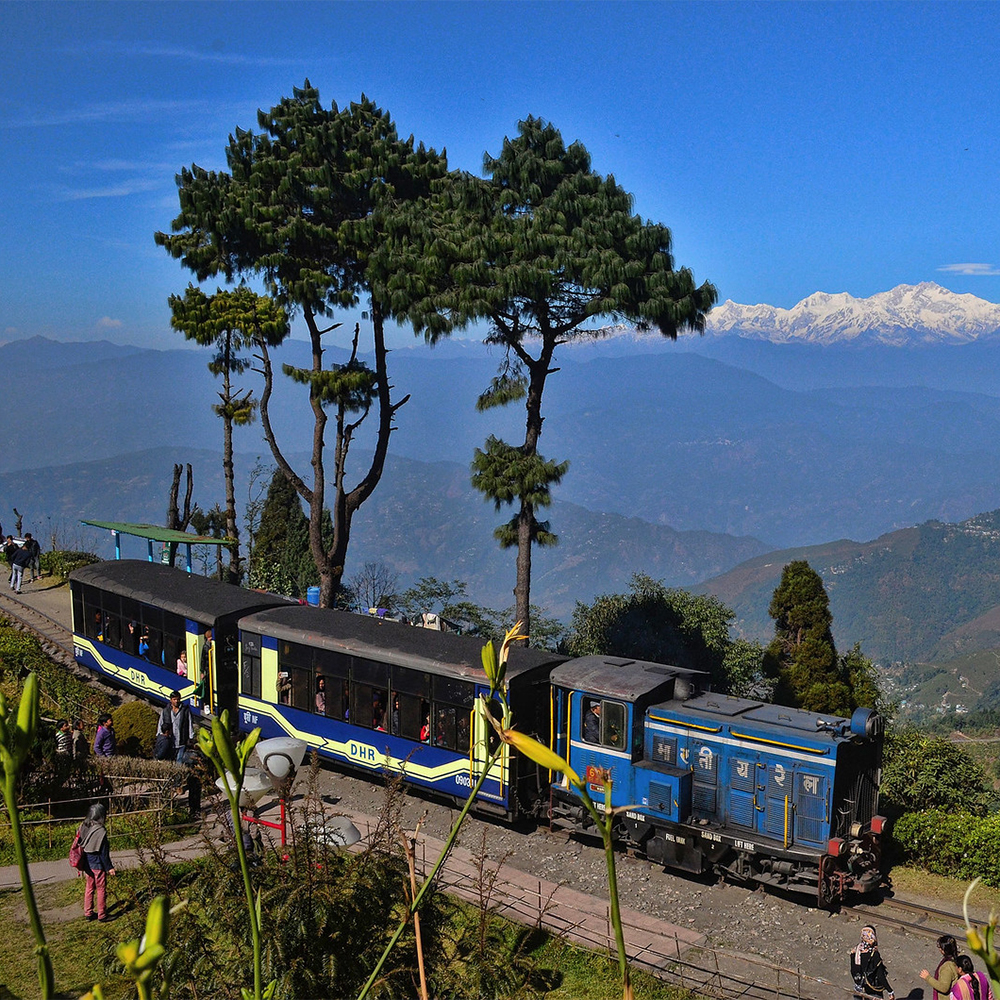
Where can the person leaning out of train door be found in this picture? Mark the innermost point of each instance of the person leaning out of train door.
(178, 717)
(867, 968)
(592, 722)
(947, 969)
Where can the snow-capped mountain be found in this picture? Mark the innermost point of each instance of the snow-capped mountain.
(907, 314)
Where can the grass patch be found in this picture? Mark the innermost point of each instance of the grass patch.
(80, 949)
(908, 881)
(74, 943)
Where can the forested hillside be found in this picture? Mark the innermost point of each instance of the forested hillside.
(922, 593)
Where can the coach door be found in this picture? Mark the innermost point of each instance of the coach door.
(224, 670)
(485, 741)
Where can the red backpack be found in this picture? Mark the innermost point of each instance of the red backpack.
(76, 853)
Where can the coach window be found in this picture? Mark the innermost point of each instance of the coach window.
(369, 694)
(450, 713)
(250, 667)
(174, 639)
(335, 670)
(295, 688)
(131, 612)
(411, 693)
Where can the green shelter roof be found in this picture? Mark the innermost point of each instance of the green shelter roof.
(157, 533)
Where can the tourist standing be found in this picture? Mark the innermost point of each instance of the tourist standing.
(946, 973)
(178, 718)
(867, 968)
(104, 740)
(97, 856)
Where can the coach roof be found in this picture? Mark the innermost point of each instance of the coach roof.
(195, 597)
(388, 641)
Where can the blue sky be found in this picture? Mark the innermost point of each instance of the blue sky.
(790, 147)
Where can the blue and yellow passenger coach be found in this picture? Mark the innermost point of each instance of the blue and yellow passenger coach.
(385, 696)
(132, 619)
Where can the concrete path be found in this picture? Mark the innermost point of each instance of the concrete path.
(515, 895)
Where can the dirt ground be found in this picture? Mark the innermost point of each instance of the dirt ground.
(793, 935)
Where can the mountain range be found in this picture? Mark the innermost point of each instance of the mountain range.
(907, 314)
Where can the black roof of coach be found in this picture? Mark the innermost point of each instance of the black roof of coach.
(389, 641)
(198, 598)
(617, 676)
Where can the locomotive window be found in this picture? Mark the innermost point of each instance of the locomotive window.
(603, 722)
(613, 724)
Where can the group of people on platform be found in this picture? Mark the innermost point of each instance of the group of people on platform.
(954, 978)
(22, 557)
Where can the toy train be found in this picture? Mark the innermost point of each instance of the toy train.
(705, 782)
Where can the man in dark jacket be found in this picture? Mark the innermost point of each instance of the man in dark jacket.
(178, 718)
(22, 558)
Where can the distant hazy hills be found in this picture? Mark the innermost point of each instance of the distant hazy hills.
(906, 314)
(423, 520)
(686, 459)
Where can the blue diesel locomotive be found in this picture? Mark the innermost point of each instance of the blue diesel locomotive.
(704, 782)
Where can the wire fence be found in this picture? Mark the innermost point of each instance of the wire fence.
(681, 958)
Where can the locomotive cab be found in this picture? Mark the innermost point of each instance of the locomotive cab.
(599, 708)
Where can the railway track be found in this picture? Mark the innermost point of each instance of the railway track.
(919, 918)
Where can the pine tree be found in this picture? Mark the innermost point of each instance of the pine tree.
(304, 206)
(542, 250)
(802, 656)
(282, 543)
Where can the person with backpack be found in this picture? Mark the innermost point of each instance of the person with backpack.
(35, 555)
(95, 862)
(970, 985)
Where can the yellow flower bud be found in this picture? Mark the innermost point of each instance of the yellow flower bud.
(540, 754)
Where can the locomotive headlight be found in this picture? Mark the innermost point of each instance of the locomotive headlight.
(855, 830)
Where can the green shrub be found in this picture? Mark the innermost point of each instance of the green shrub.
(934, 840)
(956, 844)
(922, 772)
(61, 563)
(135, 729)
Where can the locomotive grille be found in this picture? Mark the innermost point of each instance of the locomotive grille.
(661, 798)
(664, 749)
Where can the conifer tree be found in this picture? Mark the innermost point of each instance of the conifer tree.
(282, 542)
(231, 322)
(304, 205)
(802, 656)
(543, 250)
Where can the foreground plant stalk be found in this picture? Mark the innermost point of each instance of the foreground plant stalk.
(17, 734)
